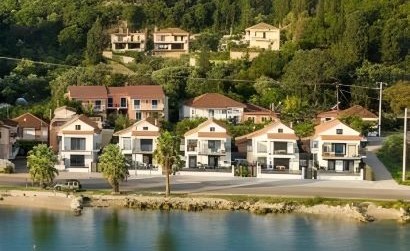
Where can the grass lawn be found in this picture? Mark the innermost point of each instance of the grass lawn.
(395, 167)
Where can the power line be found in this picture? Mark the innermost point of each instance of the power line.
(361, 95)
(187, 77)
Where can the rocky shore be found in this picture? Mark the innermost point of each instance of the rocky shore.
(363, 211)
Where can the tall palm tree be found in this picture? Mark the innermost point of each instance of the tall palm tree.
(112, 163)
(167, 154)
(40, 162)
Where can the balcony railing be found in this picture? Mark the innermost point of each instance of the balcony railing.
(330, 155)
(143, 149)
(212, 151)
(99, 108)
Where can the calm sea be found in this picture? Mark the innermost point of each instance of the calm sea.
(123, 229)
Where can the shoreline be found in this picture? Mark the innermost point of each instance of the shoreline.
(362, 211)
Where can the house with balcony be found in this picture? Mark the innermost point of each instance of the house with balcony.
(336, 147)
(136, 102)
(79, 142)
(355, 110)
(126, 39)
(263, 36)
(31, 128)
(60, 116)
(138, 142)
(171, 42)
(213, 105)
(92, 98)
(208, 146)
(258, 114)
(273, 148)
(8, 135)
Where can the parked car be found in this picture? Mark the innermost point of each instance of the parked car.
(70, 184)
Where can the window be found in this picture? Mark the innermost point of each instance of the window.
(97, 105)
(145, 128)
(315, 144)
(280, 130)
(262, 147)
(212, 129)
(77, 160)
(123, 102)
(137, 104)
(339, 131)
(154, 104)
(0, 135)
(138, 115)
(193, 112)
(339, 148)
(78, 127)
(77, 144)
(211, 113)
(162, 38)
(126, 143)
(110, 102)
(264, 34)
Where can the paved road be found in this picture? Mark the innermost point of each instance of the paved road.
(237, 185)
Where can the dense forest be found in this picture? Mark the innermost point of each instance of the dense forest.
(327, 47)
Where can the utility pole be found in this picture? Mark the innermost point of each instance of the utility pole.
(404, 145)
(337, 96)
(380, 107)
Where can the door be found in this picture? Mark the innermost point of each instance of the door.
(339, 166)
(351, 149)
(192, 162)
(213, 161)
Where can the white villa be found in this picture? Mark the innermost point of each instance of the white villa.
(208, 146)
(79, 141)
(138, 142)
(128, 40)
(263, 36)
(213, 105)
(335, 147)
(273, 148)
(171, 42)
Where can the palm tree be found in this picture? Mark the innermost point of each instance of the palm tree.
(112, 163)
(40, 162)
(166, 154)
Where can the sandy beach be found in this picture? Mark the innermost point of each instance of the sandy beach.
(36, 199)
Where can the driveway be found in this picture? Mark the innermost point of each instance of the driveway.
(382, 175)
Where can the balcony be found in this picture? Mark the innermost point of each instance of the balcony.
(99, 108)
(143, 149)
(117, 106)
(212, 151)
(333, 155)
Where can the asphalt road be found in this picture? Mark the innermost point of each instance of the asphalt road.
(382, 189)
(236, 186)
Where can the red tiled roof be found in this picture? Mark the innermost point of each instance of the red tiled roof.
(329, 114)
(87, 92)
(282, 136)
(358, 110)
(213, 100)
(205, 123)
(138, 91)
(171, 30)
(28, 120)
(262, 26)
(326, 126)
(255, 109)
(341, 137)
(213, 135)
